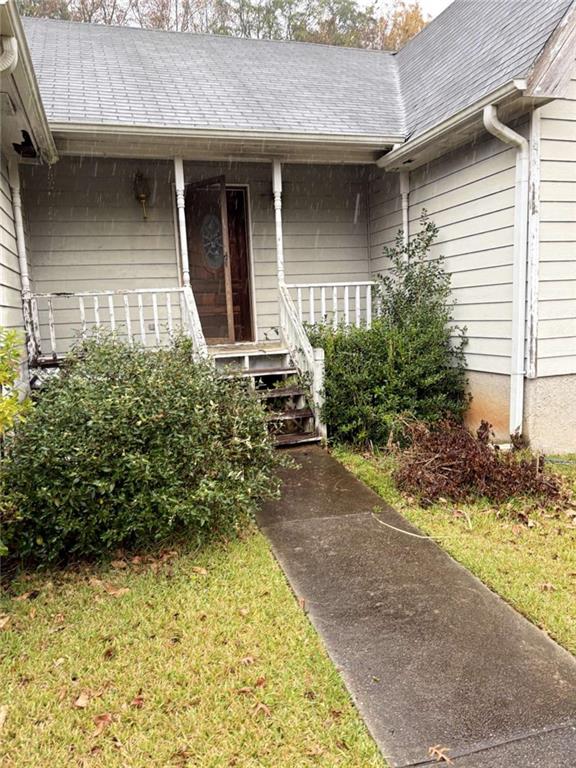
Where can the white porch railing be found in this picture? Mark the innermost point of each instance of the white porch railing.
(148, 316)
(307, 359)
(334, 303)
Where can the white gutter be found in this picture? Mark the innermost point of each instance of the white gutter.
(176, 131)
(405, 151)
(517, 369)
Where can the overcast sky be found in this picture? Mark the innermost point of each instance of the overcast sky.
(434, 7)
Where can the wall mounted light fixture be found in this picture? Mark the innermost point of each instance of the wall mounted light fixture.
(142, 191)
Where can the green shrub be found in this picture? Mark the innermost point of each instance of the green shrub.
(12, 406)
(409, 363)
(127, 447)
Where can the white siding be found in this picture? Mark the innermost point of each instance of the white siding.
(469, 194)
(557, 268)
(10, 299)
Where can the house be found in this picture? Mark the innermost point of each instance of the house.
(238, 187)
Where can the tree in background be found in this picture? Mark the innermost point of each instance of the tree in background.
(333, 22)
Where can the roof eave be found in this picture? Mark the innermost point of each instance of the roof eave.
(26, 82)
(409, 152)
(148, 131)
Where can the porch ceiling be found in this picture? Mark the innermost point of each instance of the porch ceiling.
(154, 143)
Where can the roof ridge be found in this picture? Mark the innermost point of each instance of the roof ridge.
(93, 25)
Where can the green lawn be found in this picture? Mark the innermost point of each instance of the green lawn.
(187, 660)
(532, 567)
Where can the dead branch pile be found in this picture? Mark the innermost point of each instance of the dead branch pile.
(446, 461)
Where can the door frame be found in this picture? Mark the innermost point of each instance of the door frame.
(245, 187)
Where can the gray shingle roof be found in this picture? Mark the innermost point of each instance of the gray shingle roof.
(470, 50)
(97, 74)
(118, 75)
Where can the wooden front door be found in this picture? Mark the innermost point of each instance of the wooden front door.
(217, 230)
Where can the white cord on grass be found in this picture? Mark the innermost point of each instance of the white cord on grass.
(408, 533)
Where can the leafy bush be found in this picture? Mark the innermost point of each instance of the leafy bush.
(411, 361)
(128, 446)
(446, 461)
(12, 406)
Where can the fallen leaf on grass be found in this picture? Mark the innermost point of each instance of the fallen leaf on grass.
(31, 595)
(261, 709)
(82, 701)
(101, 722)
(3, 715)
(244, 611)
(200, 571)
(547, 587)
(116, 591)
(438, 752)
(4, 620)
(247, 660)
(59, 662)
(245, 691)
(109, 653)
(138, 700)
(260, 682)
(119, 564)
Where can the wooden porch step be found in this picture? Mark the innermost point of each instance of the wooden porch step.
(258, 372)
(291, 414)
(297, 439)
(270, 394)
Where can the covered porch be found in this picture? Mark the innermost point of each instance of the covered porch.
(230, 253)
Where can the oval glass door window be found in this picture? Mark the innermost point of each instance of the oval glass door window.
(212, 245)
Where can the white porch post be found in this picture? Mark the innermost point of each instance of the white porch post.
(180, 202)
(277, 192)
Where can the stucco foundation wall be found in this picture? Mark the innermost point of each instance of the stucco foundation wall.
(550, 413)
(490, 402)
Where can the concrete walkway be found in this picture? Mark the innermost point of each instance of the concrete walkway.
(429, 654)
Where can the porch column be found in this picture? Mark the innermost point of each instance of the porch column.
(180, 203)
(277, 192)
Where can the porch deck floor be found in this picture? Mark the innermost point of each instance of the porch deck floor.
(429, 654)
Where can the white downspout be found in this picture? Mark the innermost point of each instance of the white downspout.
(517, 371)
(404, 196)
(14, 180)
(9, 55)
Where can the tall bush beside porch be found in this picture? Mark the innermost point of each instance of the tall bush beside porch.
(129, 446)
(409, 363)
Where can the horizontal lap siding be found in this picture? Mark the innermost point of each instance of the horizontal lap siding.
(10, 300)
(469, 194)
(86, 232)
(557, 268)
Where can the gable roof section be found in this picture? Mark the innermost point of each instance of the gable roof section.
(92, 74)
(469, 51)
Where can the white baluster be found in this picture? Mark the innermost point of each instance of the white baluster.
(311, 307)
(323, 303)
(51, 327)
(155, 314)
(335, 306)
(141, 318)
(82, 314)
(357, 306)
(96, 312)
(346, 305)
(169, 311)
(128, 319)
(111, 310)
(368, 306)
(300, 313)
